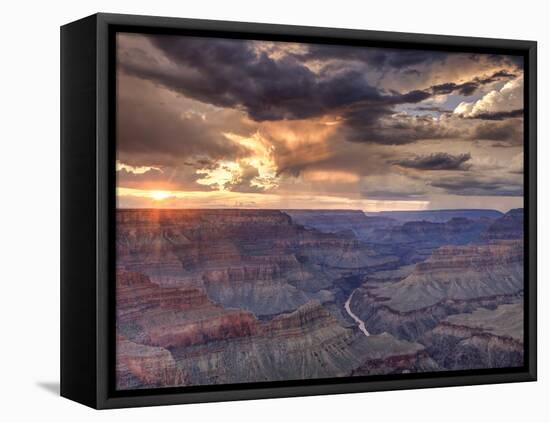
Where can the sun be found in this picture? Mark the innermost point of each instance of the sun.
(159, 195)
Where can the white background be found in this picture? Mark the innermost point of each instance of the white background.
(29, 239)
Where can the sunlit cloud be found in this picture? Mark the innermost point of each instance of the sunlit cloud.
(255, 171)
(330, 176)
(137, 170)
(217, 178)
(262, 158)
(261, 124)
(509, 98)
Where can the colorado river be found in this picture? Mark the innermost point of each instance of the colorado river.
(354, 317)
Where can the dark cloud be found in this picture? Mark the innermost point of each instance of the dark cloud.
(494, 130)
(497, 76)
(498, 115)
(437, 109)
(437, 161)
(236, 74)
(503, 145)
(339, 155)
(382, 126)
(479, 186)
(414, 72)
(232, 73)
(157, 132)
(380, 59)
(465, 89)
(468, 88)
(515, 60)
(317, 109)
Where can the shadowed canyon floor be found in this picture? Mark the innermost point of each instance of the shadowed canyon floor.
(232, 296)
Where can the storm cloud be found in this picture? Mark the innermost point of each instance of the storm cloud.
(156, 131)
(238, 74)
(503, 115)
(472, 186)
(437, 161)
(211, 115)
(212, 71)
(470, 87)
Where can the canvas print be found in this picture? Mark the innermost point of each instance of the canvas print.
(300, 211)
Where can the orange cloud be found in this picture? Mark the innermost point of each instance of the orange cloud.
(330, 176)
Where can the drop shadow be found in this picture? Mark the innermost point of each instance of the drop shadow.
(51, 387)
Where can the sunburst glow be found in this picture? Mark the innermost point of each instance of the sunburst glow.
(159, 195)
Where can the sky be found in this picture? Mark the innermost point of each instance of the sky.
(226, 123)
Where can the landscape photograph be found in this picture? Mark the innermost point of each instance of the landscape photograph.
(297, 211)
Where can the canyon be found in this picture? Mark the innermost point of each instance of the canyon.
(222, 296)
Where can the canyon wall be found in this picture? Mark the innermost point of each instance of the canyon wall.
(230, 296)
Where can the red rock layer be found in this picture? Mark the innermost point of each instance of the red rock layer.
(142, 366)
(170, 317)
(473, 256)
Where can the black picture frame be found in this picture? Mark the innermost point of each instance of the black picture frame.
(88, 108)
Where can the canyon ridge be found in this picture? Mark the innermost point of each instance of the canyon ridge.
(224, 296)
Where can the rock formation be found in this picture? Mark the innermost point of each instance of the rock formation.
(509, 226)
(437, 216)
(485, 338)
(455, 279)
(141, 366)
(232, 296)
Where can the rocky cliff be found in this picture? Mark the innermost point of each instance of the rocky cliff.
(456, 231)
(170, 317)
(346, 222)
(509, 226)
(140, 366)
(455, 279)
(260, 261)
(485, 338)
(305, 344)
(231, 296)
(173, 336)
(406, 357)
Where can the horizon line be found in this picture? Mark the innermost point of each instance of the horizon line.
(314, 209)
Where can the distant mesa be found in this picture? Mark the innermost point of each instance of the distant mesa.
(437, 216)
(509, 226)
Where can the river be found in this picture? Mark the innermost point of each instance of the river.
(354, 317)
